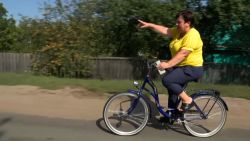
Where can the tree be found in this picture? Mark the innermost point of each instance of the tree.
(224, 25)
(74, 29)
(120, 37)
(8, 31)
(222, 19)
(59, 53)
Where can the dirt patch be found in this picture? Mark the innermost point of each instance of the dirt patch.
(79, 103)
(69, 103)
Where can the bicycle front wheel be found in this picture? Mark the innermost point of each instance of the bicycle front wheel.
(125, 114)
(211, 122)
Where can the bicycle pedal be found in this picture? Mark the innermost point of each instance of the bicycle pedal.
(163, 119)
(180, 121)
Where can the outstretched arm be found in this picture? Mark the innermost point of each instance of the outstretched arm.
(158, 28)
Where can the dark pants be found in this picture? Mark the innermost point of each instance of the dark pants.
(176, 79)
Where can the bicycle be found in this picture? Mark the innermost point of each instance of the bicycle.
(128, 113)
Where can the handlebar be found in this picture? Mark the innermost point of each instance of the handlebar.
(151, 65)
(154, 65)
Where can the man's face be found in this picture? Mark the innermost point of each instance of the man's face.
(181, 24)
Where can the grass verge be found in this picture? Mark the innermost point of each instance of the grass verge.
(111, 86)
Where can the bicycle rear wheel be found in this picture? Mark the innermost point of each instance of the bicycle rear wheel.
(214, 111)
(125, 114)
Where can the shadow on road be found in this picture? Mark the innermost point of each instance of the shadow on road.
(3, 121)
(100, 124)
(153, 121)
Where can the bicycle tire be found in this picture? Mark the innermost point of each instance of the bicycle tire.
(218, 110)
(137, 119)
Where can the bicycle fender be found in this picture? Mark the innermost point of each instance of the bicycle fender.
(225, 104)
(210, 92)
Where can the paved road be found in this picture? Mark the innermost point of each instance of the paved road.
(15, 127)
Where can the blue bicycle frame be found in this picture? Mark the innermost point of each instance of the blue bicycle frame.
(154, 94)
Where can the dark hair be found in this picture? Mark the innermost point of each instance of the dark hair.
(187, 16)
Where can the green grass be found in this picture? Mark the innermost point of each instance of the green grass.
(111, 86)
(50, 82)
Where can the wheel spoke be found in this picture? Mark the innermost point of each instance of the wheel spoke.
(137, 118)
(190, 117)
(214, 114)
(198, 125)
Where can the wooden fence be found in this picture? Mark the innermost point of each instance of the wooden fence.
(15, 62)
(131, 68)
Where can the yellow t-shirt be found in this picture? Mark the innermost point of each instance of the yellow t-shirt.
(190, 41)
